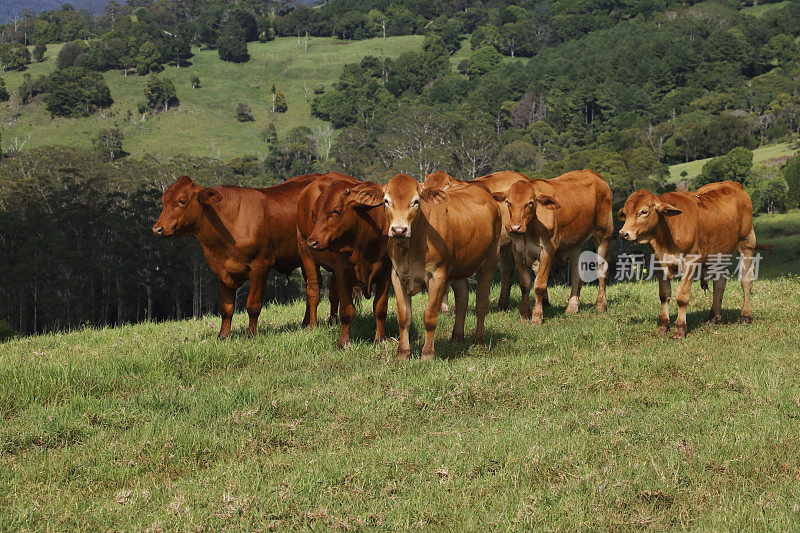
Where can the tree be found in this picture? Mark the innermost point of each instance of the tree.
(180, 51)
(109, 142)
(195, 81)
(484, 60)
(76, 91)
(519, 155)
(148, 59)
(4, 96)
(14, 56)
(791, 173)
(38, 51)
(269, 133)
(280, 103)
(232, 45)
(69, 54)
(735, 165)
(160, 93)
(244, 113)
(768, 194)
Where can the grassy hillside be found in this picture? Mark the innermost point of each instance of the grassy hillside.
(761, 9)
(205, 123)
(587, 421)
(762, 154)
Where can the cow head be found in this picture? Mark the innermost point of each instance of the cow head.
(401, 198)
(334, 213)
(641, 214)
(523, 200)
(438, 180)
(183, 204)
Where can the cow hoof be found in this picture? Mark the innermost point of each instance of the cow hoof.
(502, 306)
(427, 355)
(571, 310)
(457, 337)
(600, 308)
(403, 355)
(380, 338)
(250, 334)
(537, 319)
(478, 341)
(680, 331)
(745, 320)
(221, 337)
(343, 344)
(663, 325)
(713, 320)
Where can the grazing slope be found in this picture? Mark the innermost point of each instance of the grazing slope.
(585, 421)
(205, 123)
(769, 154)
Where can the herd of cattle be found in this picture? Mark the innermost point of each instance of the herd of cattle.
(436, 234)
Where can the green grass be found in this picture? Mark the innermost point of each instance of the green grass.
(585, 422)
(763, 154)
(761, 9)
(205, 123)
(782, 233)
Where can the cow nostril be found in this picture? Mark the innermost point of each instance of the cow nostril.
(314, 244)
(158, 230)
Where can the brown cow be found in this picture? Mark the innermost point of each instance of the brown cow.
(437, 238)
(687, 231)
(244, 233)
(341, 235)
(552, 219)
(498, 182)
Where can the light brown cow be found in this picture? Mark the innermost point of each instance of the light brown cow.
(437, 238)
(686, 231)
(553, 219)
(336, 233)
(497, 182)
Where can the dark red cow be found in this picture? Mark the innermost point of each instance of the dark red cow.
(244, 233)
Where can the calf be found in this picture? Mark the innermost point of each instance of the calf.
(687, 231)
(338, 233)
(244, 233)
(498, 182)
(553, 219)
(437, 238)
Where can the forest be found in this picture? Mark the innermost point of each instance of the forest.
(624, 88)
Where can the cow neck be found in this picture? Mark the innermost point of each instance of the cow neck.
(663, 241)
(212, 229)
(367, 253)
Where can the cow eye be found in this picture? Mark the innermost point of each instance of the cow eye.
(180, 202)
(335, 212)
(529, 204)
(643, 212)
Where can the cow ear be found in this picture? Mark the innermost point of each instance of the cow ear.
(184, 179)
(667, 210)
(547, 201)
(621, 214)
(499, 196)
(367, 194)
(433, 196)
(209, 196)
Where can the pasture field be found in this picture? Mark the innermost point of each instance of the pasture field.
(761, 9)
(762, 154)
(586, 422)
(205, 123)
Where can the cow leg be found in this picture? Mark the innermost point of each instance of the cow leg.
(602, 251)
(437, 287)
(682, 299)
(227, 300)
(535, 270)
(445, 308)
(403, 317)
(255, 298)
(716, 305)
(380, 303)
(506, 262)
(312, 275)
(344, 283)
(540, 284)
(485, 275)
(664, 293)
(747, 273)
(333, 297)
(460, 295)
(575, 280)
(524, 272)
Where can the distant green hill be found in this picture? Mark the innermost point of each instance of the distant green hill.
(772, 153)
(205, 122)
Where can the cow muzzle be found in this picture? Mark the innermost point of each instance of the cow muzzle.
(515, 228)
(399, 232)
(160, 230)
(317, 243)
